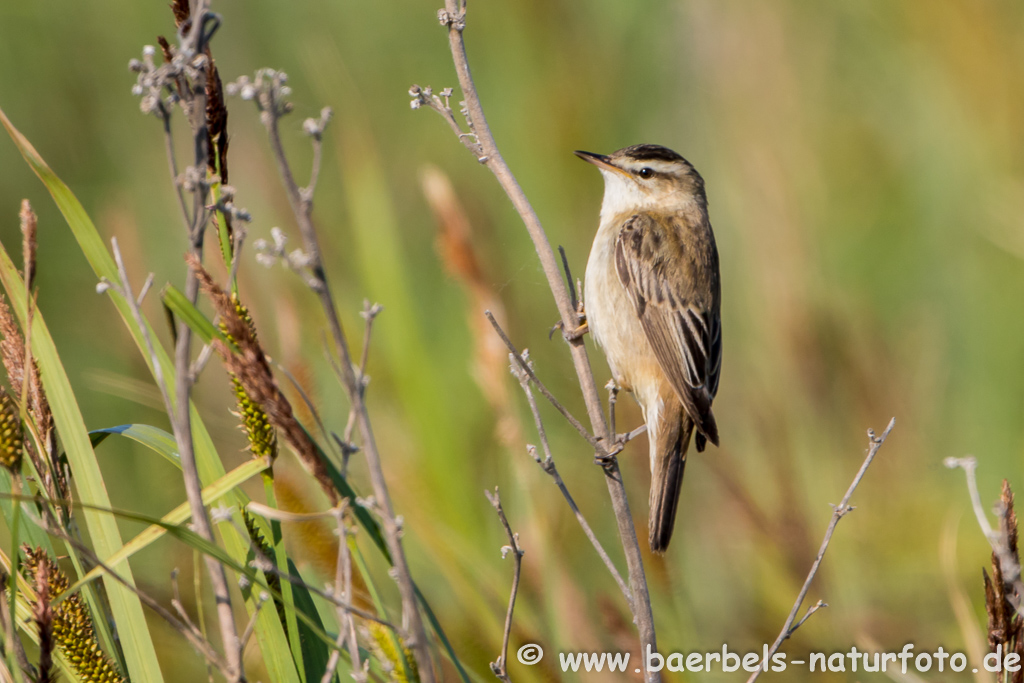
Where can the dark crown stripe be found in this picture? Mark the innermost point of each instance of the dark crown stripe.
(650, 153)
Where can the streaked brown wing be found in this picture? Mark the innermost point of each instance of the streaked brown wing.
(685, 336)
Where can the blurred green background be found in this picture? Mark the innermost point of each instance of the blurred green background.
(863, 164)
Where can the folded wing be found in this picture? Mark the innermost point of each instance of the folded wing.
(685, 336)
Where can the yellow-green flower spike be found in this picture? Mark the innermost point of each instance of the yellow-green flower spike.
(12, 440)
(384, 640)
(73, 629)
(255, 423)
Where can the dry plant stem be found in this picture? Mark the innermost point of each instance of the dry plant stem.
(521, 362)
(839, 511)
(548, 465)
(499, 667)
(1008, 565)
(195, 224)
(251, 626)
(454, 17)
(369, 314)
(347, 625)
(302, 207)
(165, 118)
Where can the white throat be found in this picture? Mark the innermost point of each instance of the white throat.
(623, 195)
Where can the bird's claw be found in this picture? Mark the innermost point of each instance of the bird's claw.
(608, 461)
(577, 333)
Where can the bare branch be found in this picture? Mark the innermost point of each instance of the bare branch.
(251, 626)
(519, 359)
(499, 667)
(548, 465)
(184, 74)
(838, 512)
(346, 624)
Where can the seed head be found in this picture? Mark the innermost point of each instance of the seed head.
(12, 440)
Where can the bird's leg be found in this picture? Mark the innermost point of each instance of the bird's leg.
(608, 460)
(581, 326)
(613, 394)
(581, 321)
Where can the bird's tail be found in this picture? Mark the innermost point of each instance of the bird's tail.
(669, 443)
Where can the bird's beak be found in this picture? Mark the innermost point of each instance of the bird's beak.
(599, 160)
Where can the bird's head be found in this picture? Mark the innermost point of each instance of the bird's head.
(646, 178)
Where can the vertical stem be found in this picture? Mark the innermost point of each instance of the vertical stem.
(181, 416)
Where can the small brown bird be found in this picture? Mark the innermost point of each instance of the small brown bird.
(653, 299)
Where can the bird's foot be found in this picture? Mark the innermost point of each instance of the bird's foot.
(608, 461)
(582, 327)
(578, 333)
(571, 335)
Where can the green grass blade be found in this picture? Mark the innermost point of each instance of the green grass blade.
(179, 515)
(179, 304)
(197, 542)
(139, 652)
(155, 438)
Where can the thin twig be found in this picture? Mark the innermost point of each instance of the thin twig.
(810, 610)
(613, 395)
(548, 465)
(543, 389)
(251, 626)
(346, 624)
(499, 667)
(568, 277)
(1009, 567)
(369, 314)
(838, 512)
(165, 119)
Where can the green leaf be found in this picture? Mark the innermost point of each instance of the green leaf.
(136, 642)
(197, 542)
(179, 304)
(153, 437)
(178, 515)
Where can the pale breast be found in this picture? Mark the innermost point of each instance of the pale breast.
(612, 318)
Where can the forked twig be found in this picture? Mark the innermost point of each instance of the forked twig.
(500, 666)
(1009, 566)
(838, 512)
(518, 359)
(548, 465)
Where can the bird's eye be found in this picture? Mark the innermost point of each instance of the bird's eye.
(645, 172)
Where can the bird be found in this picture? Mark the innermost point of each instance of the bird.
(652, 302)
